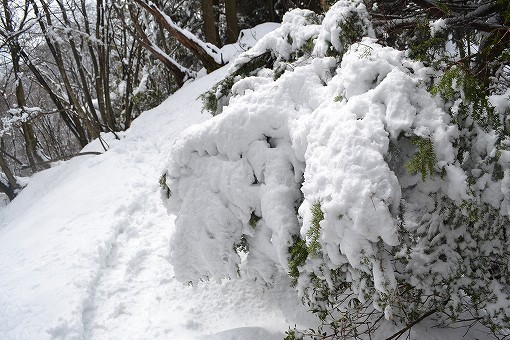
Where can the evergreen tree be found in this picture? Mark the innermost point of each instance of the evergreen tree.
(403, 219)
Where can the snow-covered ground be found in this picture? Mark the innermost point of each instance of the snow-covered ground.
(84, 250)
(85, 247)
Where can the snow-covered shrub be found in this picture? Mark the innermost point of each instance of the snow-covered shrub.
(376, 183)
(276, 49)
(300, 37)
(464, 241)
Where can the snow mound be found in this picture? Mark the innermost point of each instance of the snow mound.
(315, 135)
(343, 164)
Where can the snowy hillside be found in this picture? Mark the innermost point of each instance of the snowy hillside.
(84, 248)
(338, 171)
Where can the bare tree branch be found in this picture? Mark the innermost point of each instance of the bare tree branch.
(208, 54)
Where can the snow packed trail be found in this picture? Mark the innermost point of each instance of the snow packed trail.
(84, 248)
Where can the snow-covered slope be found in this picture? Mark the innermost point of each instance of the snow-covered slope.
(83, 250)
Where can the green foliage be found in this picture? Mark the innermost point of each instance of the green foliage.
(296, 57)
(211, 99)
(292, 334)
(326, 4)
(147, 100)
(341, 313)
(305, 50)
(338, 98)
(504, 9)
(465, 247)
(457, 83)
(468, 251)
(253, 220)
(280, 70)
(367, 51)
(443, 7)
(450, 255)
(298, 253)
(352, 28)
(164, 186)
(424, 160)
(214, 99)
(313, 234)
(445, 86)
(425, 47)
(243, 245)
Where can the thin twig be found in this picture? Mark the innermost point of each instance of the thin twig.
(409, 326)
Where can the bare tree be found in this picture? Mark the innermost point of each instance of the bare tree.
(10, 31)
(210, 27)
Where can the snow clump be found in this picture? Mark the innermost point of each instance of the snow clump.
(334, 162)
(319, 134)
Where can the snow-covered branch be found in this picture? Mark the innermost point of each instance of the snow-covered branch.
(209, 55)
(180, 73)
(352, 175)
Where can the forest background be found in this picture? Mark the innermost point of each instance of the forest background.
(72, 69)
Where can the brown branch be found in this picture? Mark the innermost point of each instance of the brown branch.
(198, 51)
(474, 17)
(144, 40)
(11, 156)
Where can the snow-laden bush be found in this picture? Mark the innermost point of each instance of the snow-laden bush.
(300, 37)
(369, 178)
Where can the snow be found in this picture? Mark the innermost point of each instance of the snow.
(344, 12)
(17, 116)
(84, 250)
(98, 248)
(181, 68)
(334, 131)
(437, 26)
(252, 158)
(501, 102)
(298, 27)
(247, 38)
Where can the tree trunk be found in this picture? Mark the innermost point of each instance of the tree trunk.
(103, 75)
(96, 61)
(272, 12)
(316, 6)
(29, 136)
(95, 126)
(210, 29)
(10, 188)
(73, 123)
(231, 17)
(128, 101)
(145, 42)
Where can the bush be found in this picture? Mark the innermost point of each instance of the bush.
(377, 182)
